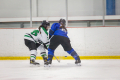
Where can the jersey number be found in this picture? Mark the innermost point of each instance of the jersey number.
(35, 32)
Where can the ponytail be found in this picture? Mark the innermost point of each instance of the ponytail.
(63, 26)
(40, 28)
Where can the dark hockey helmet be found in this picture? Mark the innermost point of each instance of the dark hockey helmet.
(62, 21)
(45, 23)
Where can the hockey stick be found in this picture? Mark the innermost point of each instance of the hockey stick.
(57, 59)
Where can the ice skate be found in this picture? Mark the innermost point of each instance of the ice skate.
(32, 62)
(45, 61)
(49, 63)
(78, 61)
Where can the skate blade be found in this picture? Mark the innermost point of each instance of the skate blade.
(33, 65)
(45, 65)
(49, 65)
(79, 64)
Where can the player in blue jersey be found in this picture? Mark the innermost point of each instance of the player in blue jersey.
(58, 35)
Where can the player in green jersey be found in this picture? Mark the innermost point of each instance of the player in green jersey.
(38, 39)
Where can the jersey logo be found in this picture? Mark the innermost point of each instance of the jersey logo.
(35, 32)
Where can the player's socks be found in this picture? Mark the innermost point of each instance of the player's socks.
(33, 57)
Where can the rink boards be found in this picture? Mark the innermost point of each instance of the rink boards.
(89, 43)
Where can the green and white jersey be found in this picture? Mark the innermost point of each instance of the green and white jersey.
(36, 36)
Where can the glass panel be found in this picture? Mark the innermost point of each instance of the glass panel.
(51, 8)
(14, 8)
(81, 13)
(85, 13)
(11, 11)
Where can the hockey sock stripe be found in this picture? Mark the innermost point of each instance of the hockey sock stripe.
(43, 54)
(33, 57)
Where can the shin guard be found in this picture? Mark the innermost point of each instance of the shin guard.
(73, 54)
(50, 54)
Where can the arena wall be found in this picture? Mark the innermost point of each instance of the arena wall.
(93, 41)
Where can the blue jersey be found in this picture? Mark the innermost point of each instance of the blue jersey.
(56, 30)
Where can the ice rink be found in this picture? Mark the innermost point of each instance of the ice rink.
(108, 69)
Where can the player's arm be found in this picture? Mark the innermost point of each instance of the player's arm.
(53, 29)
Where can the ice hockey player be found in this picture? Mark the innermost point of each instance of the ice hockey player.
(60, 37)
(38, 39)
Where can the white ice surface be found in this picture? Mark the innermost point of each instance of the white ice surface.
(65, 70)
